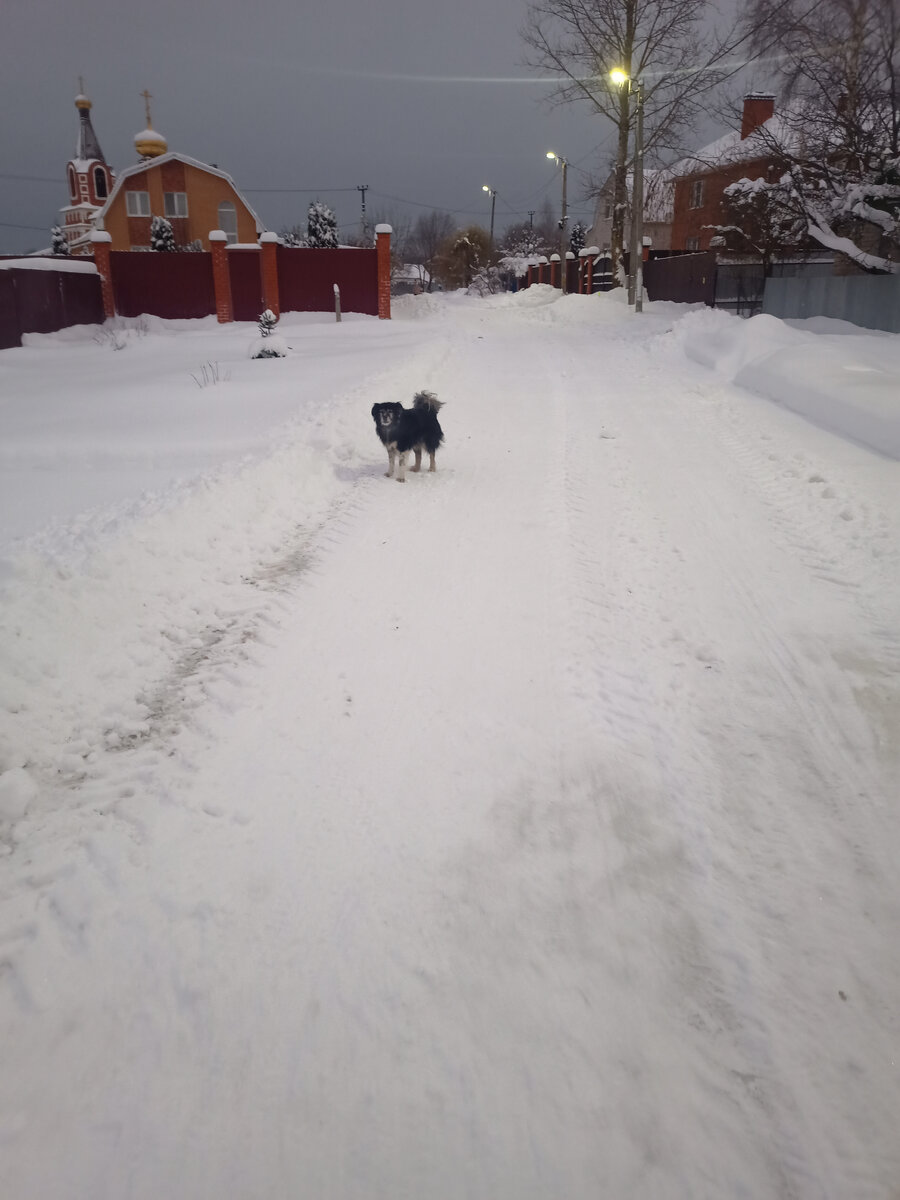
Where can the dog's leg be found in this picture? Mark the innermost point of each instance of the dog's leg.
(432, 467)
(401, 474)
(391, 454)
(418, 465)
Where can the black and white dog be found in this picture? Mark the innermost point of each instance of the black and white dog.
(404, 429)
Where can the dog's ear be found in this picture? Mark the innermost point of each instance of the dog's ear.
(375, 411)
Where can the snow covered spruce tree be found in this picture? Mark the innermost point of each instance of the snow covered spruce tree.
(576, 238)
(161, 235)
(267, 345)
(293, 236)
(839, 133)
(58, 244)
(321, 227)
(267, 322)
(670, 44)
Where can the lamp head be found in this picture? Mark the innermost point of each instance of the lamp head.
(618, 76)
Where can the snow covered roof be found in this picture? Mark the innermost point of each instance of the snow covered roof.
(732, 148)
(57, 263)
(173, 156)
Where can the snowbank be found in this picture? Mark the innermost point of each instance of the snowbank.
(845, 380)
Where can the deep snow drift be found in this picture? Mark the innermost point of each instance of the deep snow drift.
(527, 830)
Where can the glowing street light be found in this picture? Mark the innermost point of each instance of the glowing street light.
(563, 261)
(622, 79)
(493, 195)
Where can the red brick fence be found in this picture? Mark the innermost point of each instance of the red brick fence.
(234, 282)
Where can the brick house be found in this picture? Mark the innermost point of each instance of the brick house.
(193, 196)
(703, 177)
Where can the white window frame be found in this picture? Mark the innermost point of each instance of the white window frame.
(175, 204)
(137, 204)
(692, 243)
(697, 193)
(231, 234)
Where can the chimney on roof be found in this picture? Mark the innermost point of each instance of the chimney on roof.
(758, 107)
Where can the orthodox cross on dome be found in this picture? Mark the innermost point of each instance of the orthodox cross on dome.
(147, 98)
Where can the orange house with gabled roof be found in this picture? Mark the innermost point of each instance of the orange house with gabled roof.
(193, 197)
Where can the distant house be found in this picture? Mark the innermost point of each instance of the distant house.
(193, 196)
(658, 202)
(701, 179)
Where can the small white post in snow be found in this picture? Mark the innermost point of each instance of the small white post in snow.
(337, 302)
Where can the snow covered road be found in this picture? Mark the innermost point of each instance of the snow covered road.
(526, 831)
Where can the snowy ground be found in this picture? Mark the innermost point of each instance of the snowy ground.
(526, 831)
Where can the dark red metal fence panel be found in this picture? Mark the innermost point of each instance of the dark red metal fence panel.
(10, 329)
(306, 280)
(164, 285)
(82, 298)
(38, 300)
(688, 278)
(245, 273)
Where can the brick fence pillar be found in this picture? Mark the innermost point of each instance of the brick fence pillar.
(269, 271)
(218, 240)
(582, 264)
(383, 249)
(554, 270)
(102, 246)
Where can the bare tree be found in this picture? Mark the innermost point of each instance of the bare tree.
(462, 256)
(665, 43)
(839, 133)
(430, 231)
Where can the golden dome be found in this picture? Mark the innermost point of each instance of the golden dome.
(81, 101)
(150, 144)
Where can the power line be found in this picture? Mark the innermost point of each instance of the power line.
(35, 179)
(12, 225)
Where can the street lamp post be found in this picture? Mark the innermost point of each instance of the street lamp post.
(563, 261)
(636, 86)
(493, 196)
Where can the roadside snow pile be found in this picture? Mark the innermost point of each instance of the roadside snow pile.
(411, 308)
(845, 379)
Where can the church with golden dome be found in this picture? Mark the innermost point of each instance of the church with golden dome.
(193, 196)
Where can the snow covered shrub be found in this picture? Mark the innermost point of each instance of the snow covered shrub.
(161, 235)
(486, 282)
(267, 346)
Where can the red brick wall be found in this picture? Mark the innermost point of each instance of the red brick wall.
(692, 222)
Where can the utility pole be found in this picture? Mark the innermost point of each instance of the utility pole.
(362, 189)
(563, 261)
(639, 200)
(493, 194)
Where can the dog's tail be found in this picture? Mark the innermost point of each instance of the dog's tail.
(427, 400)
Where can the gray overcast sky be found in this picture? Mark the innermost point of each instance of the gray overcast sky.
(319, 97)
